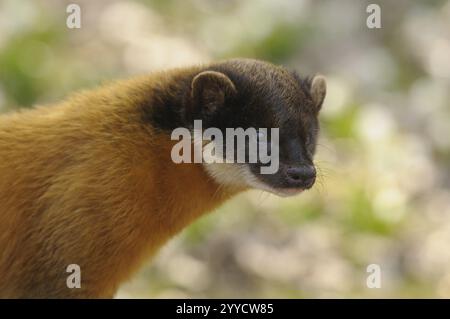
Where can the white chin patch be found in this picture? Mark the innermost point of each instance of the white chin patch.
(230, 174)
(240, 176)
(237, 175)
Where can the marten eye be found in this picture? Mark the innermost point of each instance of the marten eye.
(308, 140)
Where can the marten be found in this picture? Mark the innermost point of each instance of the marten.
(90, 181)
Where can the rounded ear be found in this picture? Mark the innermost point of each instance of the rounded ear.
(318, 90)
(209, 91)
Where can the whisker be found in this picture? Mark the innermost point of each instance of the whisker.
(262, 196)
(327, 147)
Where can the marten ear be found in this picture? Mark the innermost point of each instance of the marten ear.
(318, 90)
(210, 90)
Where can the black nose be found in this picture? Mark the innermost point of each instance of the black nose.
(301, 176)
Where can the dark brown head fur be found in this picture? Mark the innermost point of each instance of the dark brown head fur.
(250, 93)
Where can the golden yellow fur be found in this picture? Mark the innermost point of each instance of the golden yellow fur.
(87, 182)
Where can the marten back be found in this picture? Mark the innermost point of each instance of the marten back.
(90, 181)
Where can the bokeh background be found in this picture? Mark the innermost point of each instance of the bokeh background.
(383, 196)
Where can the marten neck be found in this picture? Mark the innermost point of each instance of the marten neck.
(153, 197)
(185, 191)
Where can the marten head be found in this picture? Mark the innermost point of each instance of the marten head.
(245, 93)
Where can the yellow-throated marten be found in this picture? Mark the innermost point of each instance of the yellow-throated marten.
(90, 181)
